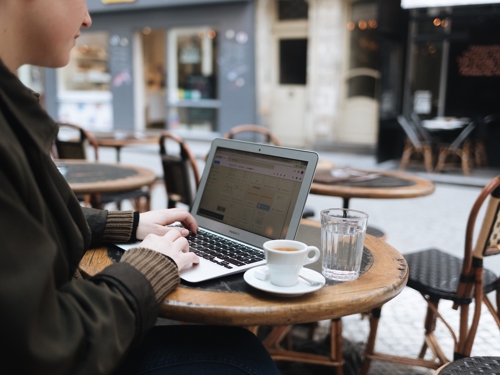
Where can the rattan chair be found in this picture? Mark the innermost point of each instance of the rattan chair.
(414, 145)
(438, 275)
(77, 149)
(180, 173)
(259, 134)
(471, 366)
(460, 147)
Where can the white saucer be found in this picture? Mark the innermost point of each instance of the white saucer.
(302, 286)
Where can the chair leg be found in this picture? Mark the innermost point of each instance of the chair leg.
(491, 308)
(405, 159)
(336, 344)
(430, 326)
(443, 153)
(428, 158)
(370, 345)
(466, 158)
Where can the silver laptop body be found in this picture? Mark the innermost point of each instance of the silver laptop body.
(249, 193)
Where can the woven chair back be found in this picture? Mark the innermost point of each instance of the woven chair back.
(252, 133)
(180, 172)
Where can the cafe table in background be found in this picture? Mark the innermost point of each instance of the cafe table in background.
(93, 179)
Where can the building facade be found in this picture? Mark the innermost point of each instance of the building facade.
(182, 65)
(318, 71)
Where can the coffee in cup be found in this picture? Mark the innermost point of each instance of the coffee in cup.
(285, 259)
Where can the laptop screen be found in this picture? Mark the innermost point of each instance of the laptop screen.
(253, 192)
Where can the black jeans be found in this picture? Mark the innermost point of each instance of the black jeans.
(199, 350)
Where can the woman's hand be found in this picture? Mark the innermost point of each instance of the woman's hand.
(173, 245)
(153, 222)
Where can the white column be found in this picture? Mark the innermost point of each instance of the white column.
(325, 81)
(263, 65)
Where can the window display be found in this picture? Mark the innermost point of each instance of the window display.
(84, 84)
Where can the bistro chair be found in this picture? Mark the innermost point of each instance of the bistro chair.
(253, 133)
(438, 275)
(180, 173)
(471, 366)
(76, 148)
(259, 134)
(460, 147)
(414, 146)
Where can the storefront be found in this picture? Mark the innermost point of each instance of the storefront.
(183, 65)
(452, 68)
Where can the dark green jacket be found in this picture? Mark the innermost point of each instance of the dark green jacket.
(49, 322)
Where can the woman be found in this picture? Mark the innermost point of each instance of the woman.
(51, 320)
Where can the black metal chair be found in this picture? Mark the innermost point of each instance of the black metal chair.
(76, 148)
(438, 275)
(180, 173)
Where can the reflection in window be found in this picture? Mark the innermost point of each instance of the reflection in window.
(292, 9)
(88, 68)
(195, 75)
(189, 118)
(425, 77)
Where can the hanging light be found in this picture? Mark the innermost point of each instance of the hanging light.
(146, 30)
(362, 25)
(350, 25)
(211, 34)
(373, 24)
(437, 22)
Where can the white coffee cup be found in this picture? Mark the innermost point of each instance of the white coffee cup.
(284, 266)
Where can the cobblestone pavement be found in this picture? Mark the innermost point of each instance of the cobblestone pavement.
(437, 220)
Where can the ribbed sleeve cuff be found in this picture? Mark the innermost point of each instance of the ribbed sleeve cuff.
(119, 225)
(160, 270)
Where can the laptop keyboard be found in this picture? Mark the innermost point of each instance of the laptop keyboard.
(218, 250)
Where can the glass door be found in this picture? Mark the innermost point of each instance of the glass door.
(193, 100)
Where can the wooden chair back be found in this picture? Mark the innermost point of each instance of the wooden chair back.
(75, 148)
(471, 278)
(238, 132)
(179, 172)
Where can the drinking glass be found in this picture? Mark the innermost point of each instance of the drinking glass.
(342, 238)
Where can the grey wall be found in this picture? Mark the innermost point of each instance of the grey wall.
(95, 6)
(238, 103)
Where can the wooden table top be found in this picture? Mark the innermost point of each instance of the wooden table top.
(230, 301)
(415, 187)
(121, 139)
(88, 177)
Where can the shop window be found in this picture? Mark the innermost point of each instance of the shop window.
(83, 86)
(192, 118)
(154, 63)
(192, 78)
(292, 10)
(293, 61)
(362, 86)
(425, 77)
(193, 70)
(88, 68)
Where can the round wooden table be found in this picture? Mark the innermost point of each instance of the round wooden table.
(89, 178)
(230, 301)
(119, 139)
(390, 185)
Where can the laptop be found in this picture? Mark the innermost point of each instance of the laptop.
(249, 193)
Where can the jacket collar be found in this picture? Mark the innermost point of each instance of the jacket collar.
(24, 105)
